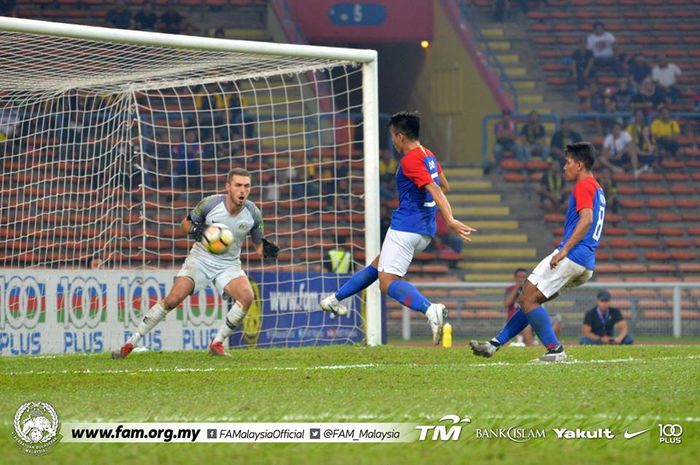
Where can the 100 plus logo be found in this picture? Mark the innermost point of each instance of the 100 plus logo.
(670, 433)
(82, 307)
(22, 313)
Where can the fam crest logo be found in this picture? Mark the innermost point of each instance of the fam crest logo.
(36, 427)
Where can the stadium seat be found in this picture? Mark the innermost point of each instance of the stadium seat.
(638, 218)
(668, 217)
(677, 243)
(670, 231)
(625, 255)
(649, 231)
(684, 255)
(654, 189)
(657, 255)
(631, 203)
(659, 202)
(646, 243)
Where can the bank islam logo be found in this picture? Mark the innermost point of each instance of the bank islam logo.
(670, 433)
(513, 433)
(36, 427)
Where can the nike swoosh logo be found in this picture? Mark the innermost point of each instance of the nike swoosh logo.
(634, 435)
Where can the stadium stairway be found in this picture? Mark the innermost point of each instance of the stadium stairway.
(504, 221)
(512, 47)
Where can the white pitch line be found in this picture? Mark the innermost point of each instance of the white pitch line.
(360, 366)
(390, 417)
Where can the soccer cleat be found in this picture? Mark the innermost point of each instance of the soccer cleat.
(331, 304)
(217, 349)
(554, 355)
(483, 349)
(436, 313)
(124, 351)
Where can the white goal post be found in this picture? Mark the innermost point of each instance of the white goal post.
(109, 136)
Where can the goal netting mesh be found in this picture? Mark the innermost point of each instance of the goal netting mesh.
(107, 146)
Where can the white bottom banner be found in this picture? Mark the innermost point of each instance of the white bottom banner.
(239, 432)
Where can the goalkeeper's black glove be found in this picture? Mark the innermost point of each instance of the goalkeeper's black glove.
(270, 249)
(197, 231)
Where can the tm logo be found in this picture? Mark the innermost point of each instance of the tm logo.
(440, 432)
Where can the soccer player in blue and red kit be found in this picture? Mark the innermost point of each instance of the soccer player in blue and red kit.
(570, 265)
(421, 183)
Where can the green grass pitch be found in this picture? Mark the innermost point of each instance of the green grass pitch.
(620, 388)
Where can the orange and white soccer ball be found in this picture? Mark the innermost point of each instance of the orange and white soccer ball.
(216, 238)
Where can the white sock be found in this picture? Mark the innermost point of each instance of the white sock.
(153, 316)
(233, 319)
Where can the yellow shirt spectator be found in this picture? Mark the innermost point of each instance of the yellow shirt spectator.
(668, 128)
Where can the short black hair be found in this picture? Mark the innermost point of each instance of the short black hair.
(582, 151)
(519, 270)
(406, 123)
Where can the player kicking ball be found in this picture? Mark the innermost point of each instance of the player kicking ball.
(202, 267)
(421, 183)
(570, 265)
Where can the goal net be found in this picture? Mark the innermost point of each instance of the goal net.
(109, 138)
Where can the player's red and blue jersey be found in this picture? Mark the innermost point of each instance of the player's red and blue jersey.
(587, 194)
(416, 212)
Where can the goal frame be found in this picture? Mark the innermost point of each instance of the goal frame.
(370, 111)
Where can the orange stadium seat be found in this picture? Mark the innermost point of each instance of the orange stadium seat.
(627, 255)
(668, 217)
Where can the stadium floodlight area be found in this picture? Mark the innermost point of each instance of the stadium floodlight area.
(110, 137)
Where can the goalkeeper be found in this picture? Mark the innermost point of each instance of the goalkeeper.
(421, 183)
(224, 271)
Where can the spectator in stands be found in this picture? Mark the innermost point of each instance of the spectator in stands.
(602, 322)
(622, 97)
(219, 33)
(500, 10)
(186, 158)
(638, 69)
(666, 131)
(506, 133)
(647, 98)
(560, 139)
(533, 137)
(119, 16)
(511, 304)
(600, 43)
(619, 150)
(551, 189)
(447, 243)
(644, 141)
(387, 165)
(7, 7)
(146, 19)
(582, 64)
(599, 99)
(666, 75)
(171, 20)
(609, 186)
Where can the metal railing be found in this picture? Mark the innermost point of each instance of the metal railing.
(659, 310)
(506, 83)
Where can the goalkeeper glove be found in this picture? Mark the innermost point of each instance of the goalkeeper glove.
(197, 231)
(270, 249)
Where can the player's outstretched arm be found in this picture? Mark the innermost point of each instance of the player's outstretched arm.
(443, 204)
(444, 185)
(585, 220)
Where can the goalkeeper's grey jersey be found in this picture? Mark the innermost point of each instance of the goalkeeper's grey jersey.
(212, 210)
